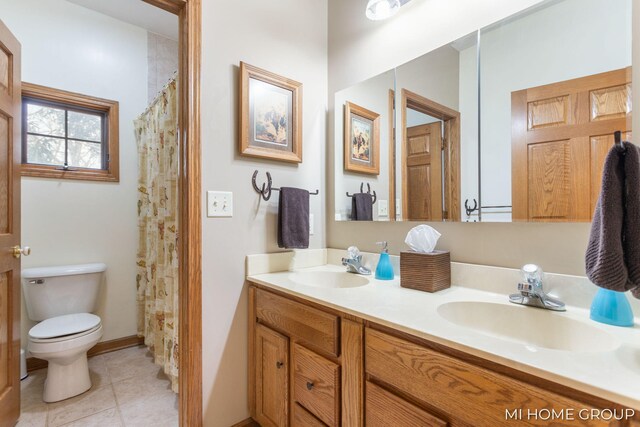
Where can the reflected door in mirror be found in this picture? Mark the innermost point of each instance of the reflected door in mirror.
(423, 172)
(561, 133)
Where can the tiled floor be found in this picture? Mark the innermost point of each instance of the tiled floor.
(128, 389)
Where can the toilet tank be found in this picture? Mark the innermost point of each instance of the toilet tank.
(55, 291)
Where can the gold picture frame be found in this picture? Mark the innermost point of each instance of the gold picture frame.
(270, 115)
(361, 140)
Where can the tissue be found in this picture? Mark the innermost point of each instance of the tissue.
(422, 238)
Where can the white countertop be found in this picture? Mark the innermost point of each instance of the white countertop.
(612, 375)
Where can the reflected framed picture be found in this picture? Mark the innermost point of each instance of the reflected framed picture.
(270, 115)
(361, 140)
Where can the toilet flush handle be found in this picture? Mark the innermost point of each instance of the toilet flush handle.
(18, 251)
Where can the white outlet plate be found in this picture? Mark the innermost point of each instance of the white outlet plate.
(383, 208)
(220, 204)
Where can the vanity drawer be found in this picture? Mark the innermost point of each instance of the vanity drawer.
(315, 385)
(468, 393)
(386, 409)
(316, 328)
(303, 418)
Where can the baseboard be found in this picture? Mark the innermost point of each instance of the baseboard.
(34, 363)
(247, 423)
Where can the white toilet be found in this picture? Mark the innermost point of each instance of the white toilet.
(62, 299)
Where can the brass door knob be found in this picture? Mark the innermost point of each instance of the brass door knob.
(18, 251)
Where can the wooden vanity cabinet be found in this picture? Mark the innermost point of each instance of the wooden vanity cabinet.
(312, 366)
(461, 392)
(295, 351)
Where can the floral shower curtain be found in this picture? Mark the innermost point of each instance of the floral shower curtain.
(157, 271)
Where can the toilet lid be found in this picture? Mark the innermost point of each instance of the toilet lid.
(68, 324)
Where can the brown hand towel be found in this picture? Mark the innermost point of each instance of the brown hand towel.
(613, 253)
(362, 207)
(293, 218)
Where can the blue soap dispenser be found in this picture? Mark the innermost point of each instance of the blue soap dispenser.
(384, 270)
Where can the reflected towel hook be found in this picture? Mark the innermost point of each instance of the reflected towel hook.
(374, 196)
(468, 209)
(617, 136)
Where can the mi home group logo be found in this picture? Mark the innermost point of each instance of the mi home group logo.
(568, 414)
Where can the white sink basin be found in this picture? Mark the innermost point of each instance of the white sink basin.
(328, 279)
(528, 325)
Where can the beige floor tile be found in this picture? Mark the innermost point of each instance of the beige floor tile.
(33, 416)
(98, 371)
(128, 353)
(140, 387)
(121, 369)
(108, 418)
(31, 389)
(160, 410)
(89, 403)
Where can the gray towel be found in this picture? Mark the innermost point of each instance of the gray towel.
(362, 207)
(613, 253)
(293, 218)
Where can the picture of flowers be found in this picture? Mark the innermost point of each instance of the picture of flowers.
(270, 115)
(361, 140)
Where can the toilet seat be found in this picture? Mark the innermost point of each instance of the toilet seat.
(67, 327)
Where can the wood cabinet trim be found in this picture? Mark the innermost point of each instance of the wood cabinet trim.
(352, 359)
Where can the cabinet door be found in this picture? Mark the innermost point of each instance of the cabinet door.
(272, 374)
(385, 409)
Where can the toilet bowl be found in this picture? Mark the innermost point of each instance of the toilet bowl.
(63, 341)
(62, 299)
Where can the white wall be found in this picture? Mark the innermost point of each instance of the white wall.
(162, 58)
(67, 222)
(288, 37)
(373, 95)
(533, 51)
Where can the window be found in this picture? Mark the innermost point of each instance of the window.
(68, 135)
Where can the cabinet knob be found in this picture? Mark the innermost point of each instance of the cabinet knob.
(279, 365)
(309, 385)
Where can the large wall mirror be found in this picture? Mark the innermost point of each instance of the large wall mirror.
(511, 123)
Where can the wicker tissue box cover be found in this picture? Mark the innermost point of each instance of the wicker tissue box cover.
(430, 272)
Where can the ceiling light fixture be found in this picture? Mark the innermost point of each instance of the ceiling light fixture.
(378, 10)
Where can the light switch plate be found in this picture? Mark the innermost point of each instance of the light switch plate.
(220, 204)
(383, 208)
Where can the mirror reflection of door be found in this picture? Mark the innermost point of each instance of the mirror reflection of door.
(430, 160)
(423, 159)
(562, 133)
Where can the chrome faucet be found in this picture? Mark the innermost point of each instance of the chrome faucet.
(531, 292)
(354, 262)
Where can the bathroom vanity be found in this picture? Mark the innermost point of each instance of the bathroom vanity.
(326, 349)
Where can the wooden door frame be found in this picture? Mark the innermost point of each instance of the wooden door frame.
(190, 215)
(451, 171)
(392, 155)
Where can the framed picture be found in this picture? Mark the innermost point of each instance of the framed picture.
(270, 115)
(361, 140)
